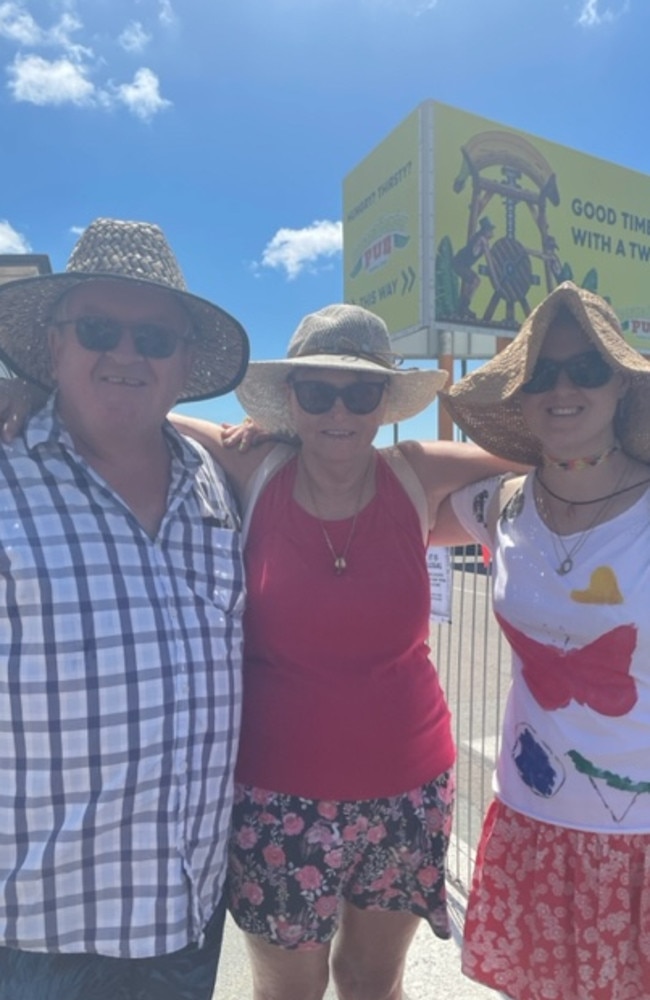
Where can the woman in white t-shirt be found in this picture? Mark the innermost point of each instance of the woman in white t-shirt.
(560, 901)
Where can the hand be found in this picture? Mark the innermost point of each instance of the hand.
(18, 400)
(246, 435)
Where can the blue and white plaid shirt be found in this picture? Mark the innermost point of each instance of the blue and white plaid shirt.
(120, 697)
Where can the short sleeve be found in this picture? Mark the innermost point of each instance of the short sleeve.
(471, 505)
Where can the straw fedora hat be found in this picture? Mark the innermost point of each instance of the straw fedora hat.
(341, 338)
(122, 251)
(485, 403)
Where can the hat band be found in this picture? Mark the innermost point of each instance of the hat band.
(390, 361)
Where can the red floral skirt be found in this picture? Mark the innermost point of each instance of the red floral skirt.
(558, 914)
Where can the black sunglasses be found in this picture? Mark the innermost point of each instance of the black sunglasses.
(101, 334)
(588, 370)
(318, 397)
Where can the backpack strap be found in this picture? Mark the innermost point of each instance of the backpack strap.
(276, 458)
(411, 484)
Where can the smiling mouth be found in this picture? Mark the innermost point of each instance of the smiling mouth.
(122, 380)
(564, 411)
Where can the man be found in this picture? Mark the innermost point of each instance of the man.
(465, 260)
(120, 639)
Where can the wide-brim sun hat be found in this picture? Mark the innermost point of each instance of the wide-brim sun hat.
(485, 404)
(119, 251)
(339, 337)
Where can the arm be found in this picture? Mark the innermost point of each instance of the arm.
(447, 529)
(446, 466)
(238, 465)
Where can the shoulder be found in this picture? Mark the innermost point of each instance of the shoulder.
(507, 488)
(275, 459)
(402, 468)
(479, 505)
(475, 507)
(239, 466)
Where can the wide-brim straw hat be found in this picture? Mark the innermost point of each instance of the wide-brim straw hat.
(486, 403)
(136, 252)
(341, 338)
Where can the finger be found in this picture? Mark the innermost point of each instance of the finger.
(10, 427)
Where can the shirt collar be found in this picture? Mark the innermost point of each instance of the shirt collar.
(46, 428)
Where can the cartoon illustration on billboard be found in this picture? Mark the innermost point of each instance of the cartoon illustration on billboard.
(505, 171)
(463, 264)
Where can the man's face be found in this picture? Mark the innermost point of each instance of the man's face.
(118, 386)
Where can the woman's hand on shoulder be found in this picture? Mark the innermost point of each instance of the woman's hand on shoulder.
(245, 435)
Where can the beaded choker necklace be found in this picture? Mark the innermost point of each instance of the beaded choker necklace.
(590, 461)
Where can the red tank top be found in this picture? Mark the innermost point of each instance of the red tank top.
(341, 700)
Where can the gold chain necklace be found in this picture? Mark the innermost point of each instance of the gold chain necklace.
(340, 560)
(566, 564)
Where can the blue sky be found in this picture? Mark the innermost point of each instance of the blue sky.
(232, 123)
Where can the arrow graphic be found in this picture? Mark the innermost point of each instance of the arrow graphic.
(408, 280)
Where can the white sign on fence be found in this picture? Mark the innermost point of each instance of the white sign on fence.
(439, 566)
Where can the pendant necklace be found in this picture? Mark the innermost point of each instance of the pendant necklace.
(566, 564)
(340, 559)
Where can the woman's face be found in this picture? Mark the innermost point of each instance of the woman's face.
(338, 433)
(572, 421)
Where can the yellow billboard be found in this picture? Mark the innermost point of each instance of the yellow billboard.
(481, 221)
(515, 215)
(381, 225)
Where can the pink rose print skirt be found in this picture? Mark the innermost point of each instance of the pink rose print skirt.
(293, 861)
(558, 914)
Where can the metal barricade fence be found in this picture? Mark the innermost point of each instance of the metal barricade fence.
(474, 667)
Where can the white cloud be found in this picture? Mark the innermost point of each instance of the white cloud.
(17, 25)
(593, 13)
(70, 78)
(134, 38)
(60, 35)
(142, 97)
(166, 14)
(40, 81)
(11, 241)
(293, 250)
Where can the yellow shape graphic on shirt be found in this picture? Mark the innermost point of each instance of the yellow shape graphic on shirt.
(602, 589)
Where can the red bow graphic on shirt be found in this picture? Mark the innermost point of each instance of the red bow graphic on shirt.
(596, 675)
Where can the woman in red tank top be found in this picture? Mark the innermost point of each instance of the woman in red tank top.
(344, 786)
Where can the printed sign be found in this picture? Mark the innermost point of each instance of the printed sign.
(381, 245)
(516, 215)
(440, 577)
(456, 224)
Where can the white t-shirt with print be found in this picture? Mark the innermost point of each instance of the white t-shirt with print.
(576, 733)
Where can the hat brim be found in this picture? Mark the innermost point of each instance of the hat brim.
(221, 350)
(263, 394)
(485, 403)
